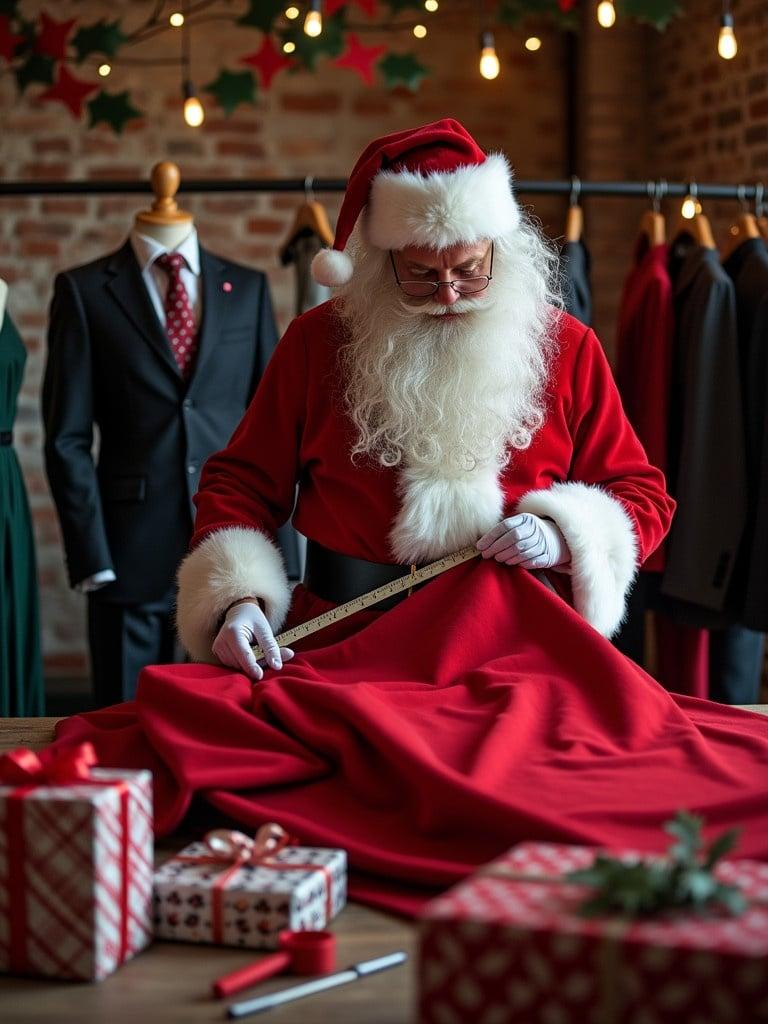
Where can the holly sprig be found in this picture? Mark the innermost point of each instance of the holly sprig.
(682, 880)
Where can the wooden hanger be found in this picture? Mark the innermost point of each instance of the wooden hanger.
(653, 228)
(574, 218)
(698, 227)
(310, 216)
(165, 180)
(743, 228)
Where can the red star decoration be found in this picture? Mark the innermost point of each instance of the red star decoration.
(267, 60)
(566, 5)
(360, 58)
(70, 90)
(52, 40)
(8, 40)
(367, 6)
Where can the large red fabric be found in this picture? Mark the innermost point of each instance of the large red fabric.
(479, 712)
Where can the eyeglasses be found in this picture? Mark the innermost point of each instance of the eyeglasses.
(462, 286)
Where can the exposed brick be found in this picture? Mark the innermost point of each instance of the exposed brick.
(759, 108)
(42, 170)
(756, 133)
(39, 247)
(54, 145)
(231, 126)
(265, 225)
(236, 147)
(66, 665)
(311, 102)
(51, 228)
(64, 206)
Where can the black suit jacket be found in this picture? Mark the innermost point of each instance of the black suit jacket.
(110, 366)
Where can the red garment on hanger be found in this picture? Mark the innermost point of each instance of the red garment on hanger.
(477, 713)
(644, 356)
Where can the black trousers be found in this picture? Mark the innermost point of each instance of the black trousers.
(124, 639)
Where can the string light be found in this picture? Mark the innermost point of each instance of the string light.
(431, 5)
(533, 43)
(727, 46)
(313, 23)
(105, 69)
(288, 46)
(606, 14)
(177, 19)
(419, 31)
(489, 62)
(691, 206)
(292, 12)
(194, 114)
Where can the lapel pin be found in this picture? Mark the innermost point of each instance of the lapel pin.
(227, 286)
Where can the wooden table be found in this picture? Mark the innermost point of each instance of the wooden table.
(170, 982)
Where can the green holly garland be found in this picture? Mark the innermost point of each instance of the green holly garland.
(51, 55)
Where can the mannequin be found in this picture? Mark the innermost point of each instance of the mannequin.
(164, 393)
(21, 672)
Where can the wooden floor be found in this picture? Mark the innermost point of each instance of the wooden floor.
(170, 982)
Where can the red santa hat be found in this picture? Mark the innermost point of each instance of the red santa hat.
(431, 186)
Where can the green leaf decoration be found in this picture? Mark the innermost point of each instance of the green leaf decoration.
(114, 109)
(103, 37)
(403, 69)
(36, 70)
(681, 880)
(231, 88)
(309, 50)
(654, 12)
(261, 14)
(514, 12)
(9, 8)
(396, 6)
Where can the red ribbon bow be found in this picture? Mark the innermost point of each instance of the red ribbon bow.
(23, 767)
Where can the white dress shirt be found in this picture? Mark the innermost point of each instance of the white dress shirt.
(147, 250)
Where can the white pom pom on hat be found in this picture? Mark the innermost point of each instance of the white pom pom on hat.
(431, 186)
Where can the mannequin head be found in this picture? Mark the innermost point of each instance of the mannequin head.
(165, 222)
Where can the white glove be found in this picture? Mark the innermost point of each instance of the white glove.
(527, 541)
(244, 625)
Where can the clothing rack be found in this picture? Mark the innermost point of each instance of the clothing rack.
(575, 188)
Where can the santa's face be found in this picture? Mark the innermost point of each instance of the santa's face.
(462, 274)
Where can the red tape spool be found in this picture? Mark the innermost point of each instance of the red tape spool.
(301, 952)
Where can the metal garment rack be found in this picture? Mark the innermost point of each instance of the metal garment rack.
(574, 188)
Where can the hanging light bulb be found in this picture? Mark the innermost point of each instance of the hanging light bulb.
(489, 62)
(105, 69)
(313, 23)
(690, 207)
(727, 46)
(431, 5)
(177, 19)
(419, 31)
(194, 114)
(292, 12)
(606, 14)
(289, 46)
(533, 43)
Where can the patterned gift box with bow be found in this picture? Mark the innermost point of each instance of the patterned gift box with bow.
(509, 946)
(76, 851)
(234, 890)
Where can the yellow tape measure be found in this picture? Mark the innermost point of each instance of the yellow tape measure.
(342, 611)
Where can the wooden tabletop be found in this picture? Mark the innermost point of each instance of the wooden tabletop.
(170, 982)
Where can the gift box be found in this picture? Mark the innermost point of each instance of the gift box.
(76, 849)
(508, 945)
(235, 891)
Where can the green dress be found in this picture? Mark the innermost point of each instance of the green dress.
(21, 674)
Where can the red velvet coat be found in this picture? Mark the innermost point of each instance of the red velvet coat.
(585, 469)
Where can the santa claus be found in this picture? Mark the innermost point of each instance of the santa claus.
(441, 398)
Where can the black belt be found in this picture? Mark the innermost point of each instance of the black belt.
(341, 578)
(6, 437)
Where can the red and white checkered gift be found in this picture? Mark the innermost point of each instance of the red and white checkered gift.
(508, 946)
(75, 865)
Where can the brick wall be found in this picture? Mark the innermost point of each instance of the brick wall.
(305, 125)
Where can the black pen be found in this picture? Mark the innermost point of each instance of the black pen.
(308, 988)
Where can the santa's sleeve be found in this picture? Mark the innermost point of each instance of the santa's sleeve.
(613, 509)
(246, 492)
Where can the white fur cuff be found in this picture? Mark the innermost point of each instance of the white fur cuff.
(601, 537)
(229, 564)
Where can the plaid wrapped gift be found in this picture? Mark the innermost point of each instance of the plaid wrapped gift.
(232, 890)
(508, 946)
(76, 850)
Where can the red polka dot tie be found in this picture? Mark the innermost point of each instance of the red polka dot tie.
(179, 318)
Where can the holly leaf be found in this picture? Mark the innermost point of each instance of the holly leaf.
(112, 108)
(9, 7)
(513, 12)
(231, 88)
(396, 6)
(36, 70)
(720, 846)
(403, 69)
(686, 828)
(309, 49)
(654, 12)
(262, 13)
(103, 37)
